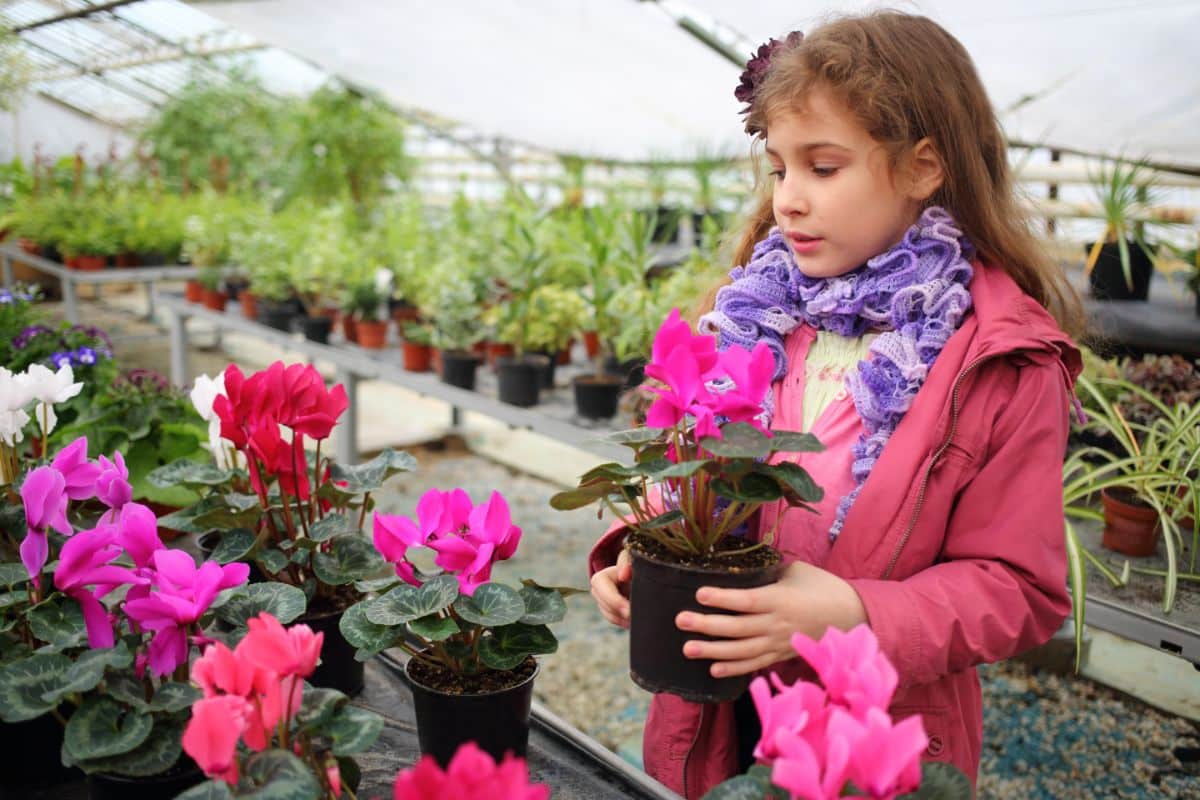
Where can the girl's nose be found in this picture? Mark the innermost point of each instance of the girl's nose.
(790, 199)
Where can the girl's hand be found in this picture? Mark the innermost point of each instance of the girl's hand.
(805, 599)
(610, 587)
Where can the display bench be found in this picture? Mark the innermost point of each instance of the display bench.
(1135, 611)
(554, 417)
(575, 766)
(1166, 323)
(73, 278)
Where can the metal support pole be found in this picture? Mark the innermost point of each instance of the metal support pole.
(179, 349)
(455, 418)
(8, 271)
(347, 442)
(150, 301)
(70, 300)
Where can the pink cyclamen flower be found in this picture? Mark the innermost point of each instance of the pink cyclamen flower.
(851, 667)
(885, 758)
(469, 560)
(112, 483)
(438, 513)
(471, 774)
(800, 709)
(212, 734)
(284, 651)
(492, 522)
(751, 372)
(813, 773)
(78, 473)
(45, 498)
(675, 333)
(183, 593)
(85, 561)
(223, 671)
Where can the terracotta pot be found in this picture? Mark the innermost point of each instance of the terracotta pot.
(371, 333)
(417, 357)
(125, 260)
(498, 350)
(591, 343)
(350, 328)
(71, 262)
(404, 314)
(215, 299)
(564, 356)
(29, 246)
(193, 291)
(92, 263)
(249, 302)
(480, 349)
(435, 359)
(1129, 528)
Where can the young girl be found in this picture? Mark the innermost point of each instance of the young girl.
(918, 333)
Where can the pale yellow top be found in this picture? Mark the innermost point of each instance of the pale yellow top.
(830, 357)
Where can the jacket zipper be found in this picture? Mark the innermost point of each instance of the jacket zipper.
(692, 747)
(912, 523)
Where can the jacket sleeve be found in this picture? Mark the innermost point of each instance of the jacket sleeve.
(999, 586)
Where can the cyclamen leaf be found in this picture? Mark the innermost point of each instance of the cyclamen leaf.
(361, 633)
(273, 561)
(634, 436)
(13, 574)
(795, 442)
(103, 727)
(940, 781)
(59, 622)
(332, 525)
(317, 706)
(280, 775)
(369, 476)
(174, 696)
(281, 601)
(509, 645)
(738, 440)
(235, 545)
(542, 606)
(157, 754)
(793, 480)
(209, 790)
(434, 628)
(353, 730)
(349, 559)
(187, 472)
(406, 603)
(752, 489)
(88, 670)
(491, 605)
(24, 684)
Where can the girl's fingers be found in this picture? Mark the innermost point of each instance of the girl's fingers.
(729, 650)
(745, 601)
(728, 626)
(727, 669)
(612, 604)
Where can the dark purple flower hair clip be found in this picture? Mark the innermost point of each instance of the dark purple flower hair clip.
(756, 69)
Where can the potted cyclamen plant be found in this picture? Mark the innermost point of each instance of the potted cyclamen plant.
(472, 669)
(836, 738)
(712, 478)
(296, 516)
(471, 773)
(103, 646)
(298, 740)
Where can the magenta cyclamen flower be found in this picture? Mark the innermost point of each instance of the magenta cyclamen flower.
(751, 372)
(79, 474)
(851, 667)
(86, 560)
(490, 537)
(885, 757)
(182, 593)
(112, 483)
(45, 498)
(438, 513)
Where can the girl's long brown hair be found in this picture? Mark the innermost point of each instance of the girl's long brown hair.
(905, 78)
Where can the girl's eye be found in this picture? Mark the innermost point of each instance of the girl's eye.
(824, 172)
(776, 173)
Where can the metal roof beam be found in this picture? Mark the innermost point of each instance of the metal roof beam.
(155, 55)
(79, 14)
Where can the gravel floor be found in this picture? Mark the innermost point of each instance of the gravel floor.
(1045, 736)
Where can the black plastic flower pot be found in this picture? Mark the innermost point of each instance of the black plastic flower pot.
(520, 379)
(276, 315)
(633, 370)
(338, 668)
(1107, 280)
(152, 258)
(109, 786)
(658, 592)
(498, 722)
(546, 375)
(316, 329)
(597, 397)
(458, 368)
(32, 756)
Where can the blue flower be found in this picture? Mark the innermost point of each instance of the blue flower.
(61, 359)
(6, 296)
(85, 355)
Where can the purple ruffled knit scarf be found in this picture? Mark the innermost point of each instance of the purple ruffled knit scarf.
(916, 293)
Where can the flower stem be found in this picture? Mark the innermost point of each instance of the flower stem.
(362, 517)
(314, 507)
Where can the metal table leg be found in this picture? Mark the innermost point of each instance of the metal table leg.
(347, 442)
(70, 300)
(180, 374)
(6, 262)
(150, 301)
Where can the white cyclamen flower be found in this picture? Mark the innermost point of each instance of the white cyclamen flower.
(12, 426)
(204, 392)
(49, 388)
(14, 391)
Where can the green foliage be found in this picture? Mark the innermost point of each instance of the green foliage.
(14, 69)
(347, 145)
(1121, 188)
(544, 322)
(234, 120)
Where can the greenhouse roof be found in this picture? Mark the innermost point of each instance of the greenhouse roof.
(620, 79)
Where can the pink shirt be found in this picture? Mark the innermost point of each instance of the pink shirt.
(805, 536)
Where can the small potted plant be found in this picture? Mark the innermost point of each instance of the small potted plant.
(365, 305)
(211, 279)
(595, 234)
(265, 253)
(316, 269)
(1119, 264)
(471, 641)
(298, 741)
(416, 343)
(834, 737)
(457, 327)
(297, 516)
(712, 478)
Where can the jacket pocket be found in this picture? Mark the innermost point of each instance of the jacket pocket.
(936, 722)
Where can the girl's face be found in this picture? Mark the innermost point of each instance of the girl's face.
(835, 199)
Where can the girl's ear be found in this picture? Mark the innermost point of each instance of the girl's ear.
(925, 172)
